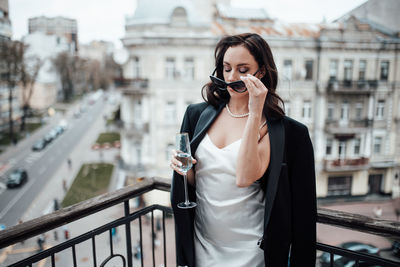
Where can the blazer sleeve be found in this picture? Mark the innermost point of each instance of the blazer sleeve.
(183, 218)
(304, 208)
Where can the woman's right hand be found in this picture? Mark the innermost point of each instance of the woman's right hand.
(175, 163)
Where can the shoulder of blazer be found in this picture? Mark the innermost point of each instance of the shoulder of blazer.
(194, 110)
(294, 127)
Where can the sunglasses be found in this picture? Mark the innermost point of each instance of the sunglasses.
(237, 86)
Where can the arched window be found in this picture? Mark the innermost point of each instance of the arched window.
(179, 17)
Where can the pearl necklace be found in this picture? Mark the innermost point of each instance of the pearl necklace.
(236, 115)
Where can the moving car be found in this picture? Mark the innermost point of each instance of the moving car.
(348, 262)
(17, 178)
(39, 145)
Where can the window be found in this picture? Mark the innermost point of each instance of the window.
(136, 67)
(339, 185)
(170, 72)
(362, 69)
(138, 151)
(168, 152)
(309, 69)
(357, 145)
(306, 112)
(329, 143)
(287, 69)
(170, 112)
(380, 109)
(137, 111)
(348, 70)
(377, 145)
(189, 69)
(287, 108)
(333, 69)
(344, 111)
(359, 110)
(342, 149)
(331, 110)
(384, 70)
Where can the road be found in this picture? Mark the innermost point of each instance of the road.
(42, 165)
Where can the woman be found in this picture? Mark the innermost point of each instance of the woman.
(253, 177)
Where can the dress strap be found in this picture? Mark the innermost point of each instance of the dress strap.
(262, 125)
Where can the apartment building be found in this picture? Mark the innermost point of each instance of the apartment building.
(59, 26)
(5, 36)
(340, 79)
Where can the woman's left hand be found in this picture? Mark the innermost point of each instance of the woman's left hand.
(257, 93)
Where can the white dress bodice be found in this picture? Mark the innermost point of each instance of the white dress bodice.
(229, 219)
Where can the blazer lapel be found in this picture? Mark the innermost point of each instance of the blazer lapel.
(207, 117)
(277, 140)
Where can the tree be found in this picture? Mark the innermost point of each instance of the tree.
(29, 73)
(65, 67)
(11, 62)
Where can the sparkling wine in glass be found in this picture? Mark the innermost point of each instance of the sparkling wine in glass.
(185, 157)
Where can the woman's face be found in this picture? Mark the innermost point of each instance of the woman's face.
(238, 62)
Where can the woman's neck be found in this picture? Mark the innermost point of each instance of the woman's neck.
(239, 105)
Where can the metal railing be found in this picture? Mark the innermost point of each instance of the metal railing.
(53, 220)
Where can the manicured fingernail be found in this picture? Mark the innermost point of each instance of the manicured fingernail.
(242, 77)
(180, 164)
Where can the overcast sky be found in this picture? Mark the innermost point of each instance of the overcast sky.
(104, 19)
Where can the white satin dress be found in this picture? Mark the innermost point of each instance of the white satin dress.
(229, 219)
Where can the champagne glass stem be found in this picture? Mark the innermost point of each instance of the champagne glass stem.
(186, 190)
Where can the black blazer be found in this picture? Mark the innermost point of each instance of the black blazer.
(289, 186)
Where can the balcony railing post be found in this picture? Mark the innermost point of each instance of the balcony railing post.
(141, 241)
(165, 241)
(128, 235)
(94, 251)
(153, 237)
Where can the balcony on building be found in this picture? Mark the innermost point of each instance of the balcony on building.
(335, 86)
(137, 224)
(135, 129)
(346, 164)
(347, 129)
(136, 86)
(384, 161)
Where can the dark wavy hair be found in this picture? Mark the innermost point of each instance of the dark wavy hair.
(261, 52)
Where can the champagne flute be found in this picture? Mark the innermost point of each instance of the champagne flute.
(185, 157)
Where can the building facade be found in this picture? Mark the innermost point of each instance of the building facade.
(59, 26)
(44, 48)
(5, 36)
(5, 23)
(340, 79)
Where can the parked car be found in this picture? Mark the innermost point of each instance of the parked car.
(17, 178)
(63, 124)
(396, 248)
(53, 133)
(348, 262)
(59, 130)
(48, 138)
(39, 145)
